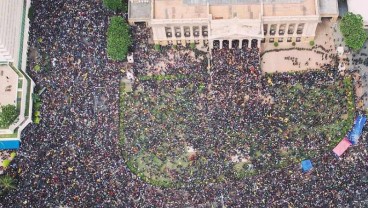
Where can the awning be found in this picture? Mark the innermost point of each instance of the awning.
(9, 144)
(342, 147)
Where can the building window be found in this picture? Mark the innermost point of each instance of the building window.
(196, 31)
(282, 29)
(289, 39)
(196, 42)
(263, 40)
(281, 40)
(300, 29)
(204, 31)
(168, 32)
(291, 29)
(265, 28)
(187, 31)
(273, 29)
(298, 39)
(178, 42)
(177, 32)
(272, 40)
(170, 42)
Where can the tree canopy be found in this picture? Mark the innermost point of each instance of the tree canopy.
(118, 38)
(113, 4)
(8, 114)
(351, 27)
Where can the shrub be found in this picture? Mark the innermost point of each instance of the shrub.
(118, 39)
(115, 5)
(192, 46)
(13, 154)
(6, 163)
(31, 13)
(293, 43)
(8, 114)
(157, 47)
(37, 120)
(276, 44)
(311, 43)
(37, 113)
(37, 68)
(37, 106)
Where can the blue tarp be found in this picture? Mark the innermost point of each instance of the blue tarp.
(9, 144)
(306, 165)
(357, 129)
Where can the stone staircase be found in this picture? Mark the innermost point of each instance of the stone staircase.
(10, 29)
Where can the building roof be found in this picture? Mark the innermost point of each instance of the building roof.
(10, 29)
(8, 85)
(359, 7)
(228, 9)
(177, 9)
(289, 8)
(140, 9)
(328, 7)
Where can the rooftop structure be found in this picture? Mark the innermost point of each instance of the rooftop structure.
(16, 86)
(328, 8)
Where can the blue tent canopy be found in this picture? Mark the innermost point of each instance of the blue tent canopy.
(9, 144)
(357, 129)
(306, 165)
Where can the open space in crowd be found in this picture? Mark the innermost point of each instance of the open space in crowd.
(188, 135)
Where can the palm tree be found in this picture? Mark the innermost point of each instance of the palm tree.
(7, 183)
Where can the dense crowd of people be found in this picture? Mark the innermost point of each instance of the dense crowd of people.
(73, 157)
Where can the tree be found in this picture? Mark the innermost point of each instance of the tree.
(113, 4)
(351, 27)
(118, 39)
(7, 183)
(8, 114)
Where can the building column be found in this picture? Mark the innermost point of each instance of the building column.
(304, 28)
(268, 30)
(230, 43)
(277, 30)
(173, 36)
(210, 44)
(286, 30)
(295, 29)
(240, 43)
(220, 44)
(200, 32)
(191, 32)
(182, 37)
(259, 43)
(249, 43)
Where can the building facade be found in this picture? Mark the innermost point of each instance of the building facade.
(236, 23)
(15, 85)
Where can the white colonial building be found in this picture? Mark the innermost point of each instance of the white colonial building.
(235, 23)
(16, 86)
